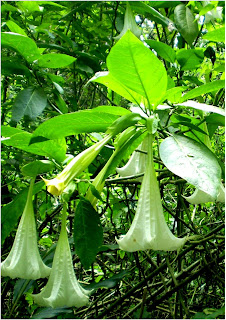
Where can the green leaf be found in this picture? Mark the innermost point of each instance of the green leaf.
(75, 123)
(22, 44)
(108, 283)
(190, 58)
(217, 35)
(193, 162)
(136, 66)
(202, 106)
(217, 119)
(174, 94)
(55, 149)
(150, 12)
(11, 212)
(205, 88)
(13, 27)
(55, 60)
(29, 102)
(114, 84)
(29, 6)
(162, 49)
(185, 23)
(119, 111)
(36, 167)
(88, 232)
(13, 66)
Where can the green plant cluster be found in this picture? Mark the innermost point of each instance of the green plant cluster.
(113, 159)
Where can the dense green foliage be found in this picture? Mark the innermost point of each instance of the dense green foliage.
(72, 73)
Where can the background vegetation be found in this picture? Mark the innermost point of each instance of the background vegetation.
(144, 284)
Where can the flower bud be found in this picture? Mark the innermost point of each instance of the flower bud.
(75, 167)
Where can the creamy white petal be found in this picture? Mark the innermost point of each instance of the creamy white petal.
(200, 196)
(149, 229)
(62, 288)
(137, 162)
(24, 260)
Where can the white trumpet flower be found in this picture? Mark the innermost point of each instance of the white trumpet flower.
(129, 24)
(200, 196)
(149, 229)
(137, 162)
(24, 260)
(62, 288)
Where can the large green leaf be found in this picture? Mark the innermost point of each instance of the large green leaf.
(190, 58)
(119, 111)
(217, 35)
(32, 169)
(13, 27)
(163, 50)
(193, 162)
(29, 102)
(186, 23)
(88, 232)
(22, 44)
(55, 60)
(54, 149)
(114, 84)
(75, 123)
(205, 88)
(136, 66)
(12, 211)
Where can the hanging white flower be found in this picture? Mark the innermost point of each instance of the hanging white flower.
(149, 229)
(129, 24)
(214, 14)
(24, 260)
(200, 196)
(62, 288)
(137, 162)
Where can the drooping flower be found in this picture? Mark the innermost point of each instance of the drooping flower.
(62, 288)
(77, 165)
(129, 24)
(149, 229)
(137, 162)
(200, 196)
(213, 14)
(24, 260)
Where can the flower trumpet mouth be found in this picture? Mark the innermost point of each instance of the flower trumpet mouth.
(200, 196)
(149, 229)
(24, 260)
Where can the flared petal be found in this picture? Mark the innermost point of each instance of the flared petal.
(137, 162)
(75, 167)
(149, 229)
(62, 288)
(24, 260)
(200, 196)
